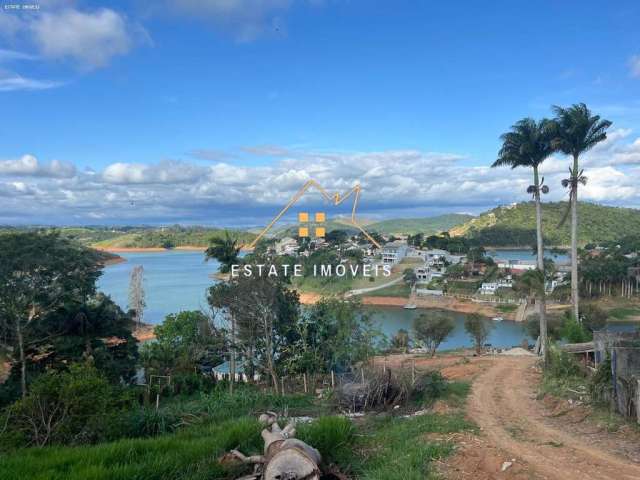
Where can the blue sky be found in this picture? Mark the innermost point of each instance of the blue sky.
(109, 104)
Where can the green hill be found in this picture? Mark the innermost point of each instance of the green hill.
(168, 237)
(428, 226)
(514, 225)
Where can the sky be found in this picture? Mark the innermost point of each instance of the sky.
(215, 112)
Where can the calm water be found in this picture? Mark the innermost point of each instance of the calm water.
(177, 280)
(525, 254)
(173, 281)
(390, 320)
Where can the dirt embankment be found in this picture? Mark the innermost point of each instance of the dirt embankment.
(524, 438)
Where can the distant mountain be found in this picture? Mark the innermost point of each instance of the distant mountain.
(428, 225)
(514, 225)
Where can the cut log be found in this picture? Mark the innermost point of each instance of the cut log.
(285, 457)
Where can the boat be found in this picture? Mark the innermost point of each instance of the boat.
(497, 319)
(410, 306)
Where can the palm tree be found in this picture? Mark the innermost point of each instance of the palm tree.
(528, 144)
(576, 131)
(224, 249)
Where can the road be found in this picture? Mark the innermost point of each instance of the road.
(503, 404)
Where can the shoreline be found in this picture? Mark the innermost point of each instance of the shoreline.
(185, 248)
(437, 303)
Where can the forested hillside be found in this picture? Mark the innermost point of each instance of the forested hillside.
(143, 237)
(427, 226)
(514, 225)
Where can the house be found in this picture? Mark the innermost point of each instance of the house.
(287, 246)
(222, 372)
(490, 288)
(394, 252)
(517, 265)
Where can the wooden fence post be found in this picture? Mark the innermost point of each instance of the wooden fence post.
(304, 379)
(333, 380)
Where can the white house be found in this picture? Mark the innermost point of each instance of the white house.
(490, 288)
(287, 246)
(394, 252)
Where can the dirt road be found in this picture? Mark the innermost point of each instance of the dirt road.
(517, 426)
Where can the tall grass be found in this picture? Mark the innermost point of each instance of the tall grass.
(189, 455)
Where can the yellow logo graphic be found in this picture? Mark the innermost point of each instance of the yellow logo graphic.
(319, 218)
(303, 220)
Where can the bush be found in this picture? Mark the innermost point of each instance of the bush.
(429, 387)
(76, 406)
(562, 364)
(574, 332)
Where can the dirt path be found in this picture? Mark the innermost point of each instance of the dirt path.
(516, 426)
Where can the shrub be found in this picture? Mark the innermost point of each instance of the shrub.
(429, 387)
(574, 332)
(562, 364)
(76, 406)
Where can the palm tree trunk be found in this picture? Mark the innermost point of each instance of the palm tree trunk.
(542, 300)
(574, 240)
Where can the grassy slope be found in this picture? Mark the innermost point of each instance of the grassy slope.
(390, 448)
(428, 226)
(516, 225)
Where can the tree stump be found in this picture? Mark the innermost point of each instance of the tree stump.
(285, 457)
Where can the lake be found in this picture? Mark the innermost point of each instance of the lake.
(178, 280)
(525, 254)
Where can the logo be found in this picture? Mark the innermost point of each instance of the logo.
(317, 227)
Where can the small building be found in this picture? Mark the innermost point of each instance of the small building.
(287, 246)
(394, 252)
(490, 288)
(222, 372)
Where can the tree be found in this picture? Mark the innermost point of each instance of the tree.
(478, 329)
(40, 272)
(336, 237)
(409, 276)
(528, 144)
(95, 330)
(136, 294)
(432, 330)
(225, 249)
(183, 342)
(265, 312)
(333, 334)
(576, 131)
(400, 340)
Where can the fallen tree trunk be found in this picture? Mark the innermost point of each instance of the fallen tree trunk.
(285, 457)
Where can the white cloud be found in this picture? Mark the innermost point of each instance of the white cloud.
(28, 165)
(10, 82)
(634, 66)
(166, 172)
(91, 39)
(394, 183)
